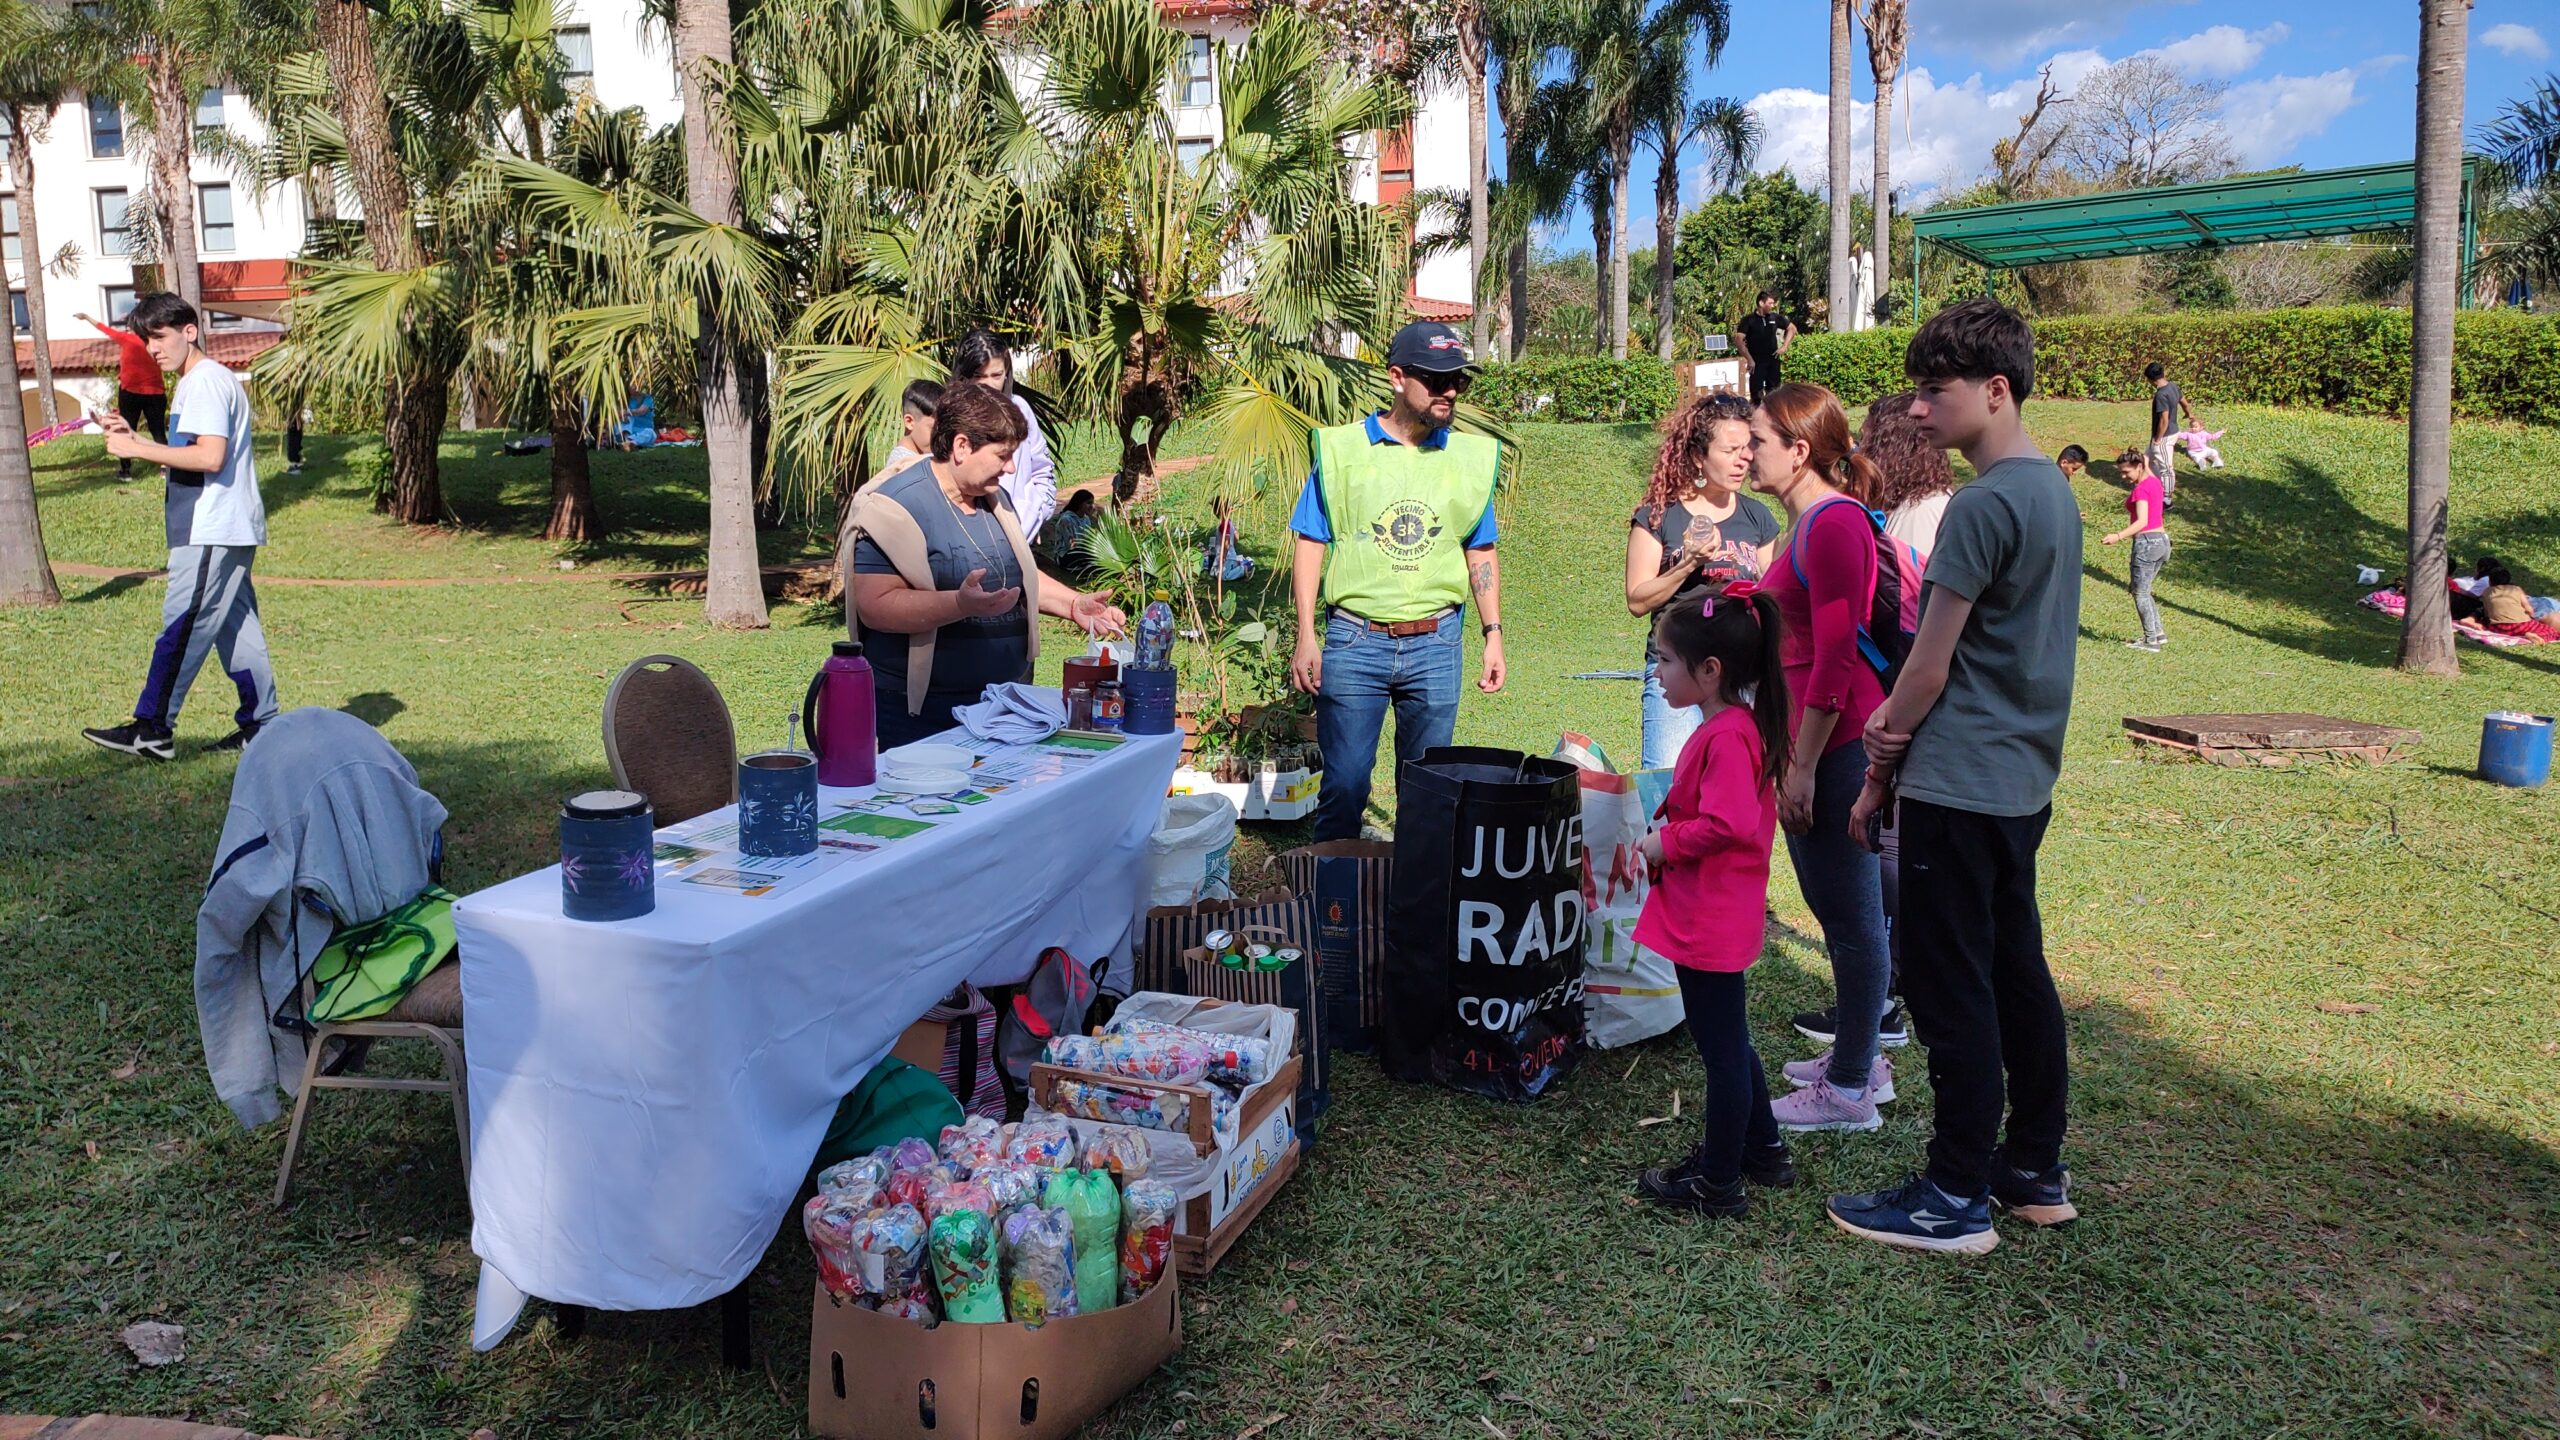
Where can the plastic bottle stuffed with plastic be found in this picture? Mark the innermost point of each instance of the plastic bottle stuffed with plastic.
(1039, 1265)
(1155, 634)
(965, 1267)
(1092, 1204)
(889, 1247)
(1146, 1236)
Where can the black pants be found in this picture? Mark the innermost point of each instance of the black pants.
(1764, 377)
(141, 411)
(1737, 1104)
(1974, 975)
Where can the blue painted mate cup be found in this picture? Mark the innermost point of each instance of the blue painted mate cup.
(607, 867)
(778, 803)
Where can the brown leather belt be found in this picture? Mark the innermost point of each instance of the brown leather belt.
(1406, 629)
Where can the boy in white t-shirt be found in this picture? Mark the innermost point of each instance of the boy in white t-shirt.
(216, 524)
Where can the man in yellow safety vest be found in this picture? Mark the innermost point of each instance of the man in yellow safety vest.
(1395, 530)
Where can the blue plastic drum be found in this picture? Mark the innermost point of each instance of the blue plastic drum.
(2515, 749)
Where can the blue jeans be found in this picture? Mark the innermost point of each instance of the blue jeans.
(1845, 888)
(1364, 673)
(1667, 727)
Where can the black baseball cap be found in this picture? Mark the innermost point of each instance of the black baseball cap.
(1429, 345)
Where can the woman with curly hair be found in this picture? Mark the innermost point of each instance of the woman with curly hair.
(1694, 533)
(1917, 480)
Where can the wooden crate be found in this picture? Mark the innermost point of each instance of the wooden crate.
(2274, 740)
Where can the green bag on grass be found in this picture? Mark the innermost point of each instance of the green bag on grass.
(894, 1101)
(367, 968)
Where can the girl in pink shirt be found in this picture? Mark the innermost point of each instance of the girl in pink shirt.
(1710, 865)
(2147, 526)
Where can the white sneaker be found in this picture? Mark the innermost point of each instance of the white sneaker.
(1820, 1107)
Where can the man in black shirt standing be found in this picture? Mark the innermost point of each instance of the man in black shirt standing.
(1765, 336)
(2170, 413)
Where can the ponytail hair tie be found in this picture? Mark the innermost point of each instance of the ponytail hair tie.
(1741, 590)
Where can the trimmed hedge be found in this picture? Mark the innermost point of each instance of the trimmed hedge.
(2355, 359)
(1587, 388)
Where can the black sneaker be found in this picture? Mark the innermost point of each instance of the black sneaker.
(1823, 1025)
(133, 738)
(1917, 1215)
(1770, 1169)
(1682, 1187)
(2038, 1199)
(238, 739)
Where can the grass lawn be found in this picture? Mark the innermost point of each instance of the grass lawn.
(2316, 1025)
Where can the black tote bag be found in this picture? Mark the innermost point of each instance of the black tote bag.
(1483, 983)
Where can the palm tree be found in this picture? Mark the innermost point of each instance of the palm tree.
(46, 55)
(1888, 33)
(1474, 28)
(179, 49)
(2523, 147)
(26, 575)
(1843, 286)
(734, 596)
(1667, 122)
(1522, 34)
(416, 382)
(2426, 631)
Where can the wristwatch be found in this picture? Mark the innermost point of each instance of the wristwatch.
(1491, 630)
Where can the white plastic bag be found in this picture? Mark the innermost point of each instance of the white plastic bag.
(1629, 993)
(1187, 855)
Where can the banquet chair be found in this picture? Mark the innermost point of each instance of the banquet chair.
(431, 1011)
(668, 736)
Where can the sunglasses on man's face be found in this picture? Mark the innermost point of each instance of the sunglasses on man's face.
(1454, 382)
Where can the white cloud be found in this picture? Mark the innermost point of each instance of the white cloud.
(1951, 127)
(2267, 118)
(2004, 32)
(2222, 51)
(2516, 42)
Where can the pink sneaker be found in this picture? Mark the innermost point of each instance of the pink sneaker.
(1819, 1107)
(1801, 1073)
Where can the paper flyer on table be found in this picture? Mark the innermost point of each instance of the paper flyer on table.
(755, 877)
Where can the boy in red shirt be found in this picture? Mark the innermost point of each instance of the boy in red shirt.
(142, 393)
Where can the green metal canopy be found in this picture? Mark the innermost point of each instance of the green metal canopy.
(2304, 206)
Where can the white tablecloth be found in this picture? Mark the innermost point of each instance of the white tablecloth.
(646, 1094)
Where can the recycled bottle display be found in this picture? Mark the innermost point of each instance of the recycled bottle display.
(1155, 634)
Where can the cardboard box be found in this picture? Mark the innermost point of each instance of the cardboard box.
(1195, 1255)
(922, 1045)
(876, 1377)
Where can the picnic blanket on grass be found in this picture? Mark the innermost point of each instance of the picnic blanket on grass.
(2395, 605)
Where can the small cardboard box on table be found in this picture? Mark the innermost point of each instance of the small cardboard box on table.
(1223, 1175)
(879, 1377)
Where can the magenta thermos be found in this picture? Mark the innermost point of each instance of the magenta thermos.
(842, 720)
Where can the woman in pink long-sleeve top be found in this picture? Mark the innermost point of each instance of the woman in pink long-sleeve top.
(1824, 581)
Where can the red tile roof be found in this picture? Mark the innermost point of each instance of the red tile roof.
(1447, 312)
(98, 357)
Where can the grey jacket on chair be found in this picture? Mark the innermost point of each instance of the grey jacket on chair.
(327, 827)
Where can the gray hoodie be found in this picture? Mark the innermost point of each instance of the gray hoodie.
(327, 827)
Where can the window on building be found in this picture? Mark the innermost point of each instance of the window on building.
(18, 311)
(1191, 153)
(115, 222)
(106, 127)
(8, 217)
(1196, 90)
(1395, 177)
(209, 110)
(119, 300)
(213, 216)
(577, 53)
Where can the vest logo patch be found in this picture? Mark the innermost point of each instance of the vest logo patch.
(1406, 531)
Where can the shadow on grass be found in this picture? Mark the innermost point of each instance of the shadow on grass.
(2260, 1254)
(109, 589)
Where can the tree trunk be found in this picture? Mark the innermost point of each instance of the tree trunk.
(1519, 297)
(414, 411)
(1843, 287)
(1600, 246)
(2426, 632)
(1881, 247)
(173, 119)
(734, 596)
(412, 423)
(1622, 158)
(1666, 238)
(1472, 60)
(573, 497)
(26, 576)
(22, 171)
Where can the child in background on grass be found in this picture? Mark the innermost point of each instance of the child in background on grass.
(2072, 460)
(2147, 527)
(1710, 862)
(2507, 609)
(916, 409)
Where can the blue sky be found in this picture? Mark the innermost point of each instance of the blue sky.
(2311, 82)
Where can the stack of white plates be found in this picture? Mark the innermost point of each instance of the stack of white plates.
(926, 769)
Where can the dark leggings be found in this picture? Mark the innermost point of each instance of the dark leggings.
(1737, 1103)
